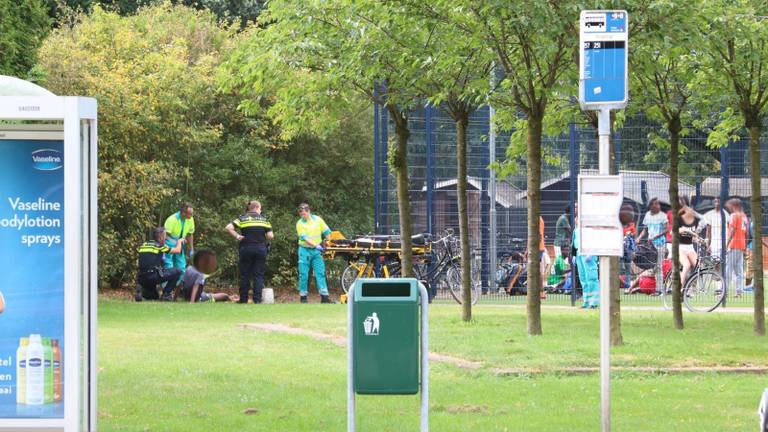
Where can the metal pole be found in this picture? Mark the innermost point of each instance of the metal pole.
(429, 139)
(725, 173)
(376, 172)
(573, 171)
(424, 358)
(492, 245)
(604, 132)
(350, 362)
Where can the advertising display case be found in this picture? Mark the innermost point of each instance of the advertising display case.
(48, 285)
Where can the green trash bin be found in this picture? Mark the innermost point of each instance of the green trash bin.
(386, 336)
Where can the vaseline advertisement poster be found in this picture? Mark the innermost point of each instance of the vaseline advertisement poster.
(31, 279)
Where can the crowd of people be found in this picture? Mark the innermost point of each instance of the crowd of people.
(166, 275)
(648, 247)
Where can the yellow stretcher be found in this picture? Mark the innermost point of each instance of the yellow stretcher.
(365, 246)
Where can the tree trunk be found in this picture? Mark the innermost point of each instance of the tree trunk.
(462, 121)
(615, 295)
(398, 161)
(755, 130)
(674, 128)
(533, 301)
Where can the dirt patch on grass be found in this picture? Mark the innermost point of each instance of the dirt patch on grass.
(746, 370)
(465, 409)
(341, 341)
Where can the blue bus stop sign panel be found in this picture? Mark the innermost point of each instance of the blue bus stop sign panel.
(603, 72)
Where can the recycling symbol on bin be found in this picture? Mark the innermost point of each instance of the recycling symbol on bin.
(371, 325)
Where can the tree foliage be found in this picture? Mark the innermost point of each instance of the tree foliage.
(23, 26)
(168, 134)
(332, 52)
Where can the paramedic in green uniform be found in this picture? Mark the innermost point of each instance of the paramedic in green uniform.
(312, 230)
(180, 226)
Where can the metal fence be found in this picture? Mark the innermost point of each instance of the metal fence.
(497, 207)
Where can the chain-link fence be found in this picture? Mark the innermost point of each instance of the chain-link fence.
(497, 208)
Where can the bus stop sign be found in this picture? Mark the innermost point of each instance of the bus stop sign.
(603, 59)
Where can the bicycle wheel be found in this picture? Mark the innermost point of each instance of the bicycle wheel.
(349, 275)
(453, 278)
(666, 292)
(704, 291)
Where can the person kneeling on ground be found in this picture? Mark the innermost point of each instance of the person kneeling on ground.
(193, 283)
(151, 271)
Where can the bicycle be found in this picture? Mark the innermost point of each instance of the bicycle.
(368, 268)
(442, 269)
(704, 290)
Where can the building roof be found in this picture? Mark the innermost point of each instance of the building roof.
(506, 193)
(657, 184)
(737, 186)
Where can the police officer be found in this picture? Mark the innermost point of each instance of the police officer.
(253, 232)
(151, 271)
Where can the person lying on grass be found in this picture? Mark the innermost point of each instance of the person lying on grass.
(193, 284)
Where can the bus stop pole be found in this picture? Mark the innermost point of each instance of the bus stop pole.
(604, 133)
(350, 362)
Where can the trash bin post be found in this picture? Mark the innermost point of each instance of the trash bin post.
(424, 358)
(380, 303)
(350, 362)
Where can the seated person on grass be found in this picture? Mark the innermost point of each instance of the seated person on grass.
(646, 280)
(193, 283)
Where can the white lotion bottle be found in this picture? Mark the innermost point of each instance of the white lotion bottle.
(35, 371)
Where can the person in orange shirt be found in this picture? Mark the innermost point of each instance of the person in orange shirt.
(545, 260)
(736, 244)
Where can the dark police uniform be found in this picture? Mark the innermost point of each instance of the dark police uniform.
(253, 253)
(151, 271)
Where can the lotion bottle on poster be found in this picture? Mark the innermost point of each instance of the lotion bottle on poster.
(35, 371)
(57, 387)
(21, 371)
(48, 370)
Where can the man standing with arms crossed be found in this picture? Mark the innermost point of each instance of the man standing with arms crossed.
(312, 231)
(180, 226)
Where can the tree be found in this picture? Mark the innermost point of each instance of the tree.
(455, 77)
(735, 55)
(23, 26)
(168, 133)
(533, 42)
(663, 64)
(332, 54)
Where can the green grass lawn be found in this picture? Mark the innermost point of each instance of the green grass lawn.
(179, 367)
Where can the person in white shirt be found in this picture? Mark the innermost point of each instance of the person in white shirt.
(715, 219)
(656, 225)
